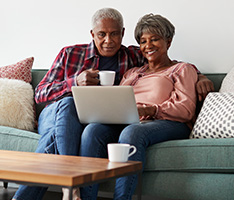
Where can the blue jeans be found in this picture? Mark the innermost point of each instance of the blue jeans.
(60, 127)
(94, 140)
(97, 136)
(60, 132)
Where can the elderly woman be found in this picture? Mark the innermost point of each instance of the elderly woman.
(165, 95)
(164, 91)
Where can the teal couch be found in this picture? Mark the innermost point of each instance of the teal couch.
(190, 169)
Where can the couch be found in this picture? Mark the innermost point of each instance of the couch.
(191, 169)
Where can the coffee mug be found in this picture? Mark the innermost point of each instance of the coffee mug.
(120, 152)
(106, 77)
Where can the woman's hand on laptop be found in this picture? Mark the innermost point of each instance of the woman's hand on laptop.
(88, 77)
(146, 111)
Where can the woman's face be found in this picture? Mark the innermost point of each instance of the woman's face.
(153, 47)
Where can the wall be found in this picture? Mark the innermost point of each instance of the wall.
(40, 28)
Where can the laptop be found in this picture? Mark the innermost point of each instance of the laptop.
(105, 104)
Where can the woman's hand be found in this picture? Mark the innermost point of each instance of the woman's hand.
(146, 112)
(203, 87)
(88, 77)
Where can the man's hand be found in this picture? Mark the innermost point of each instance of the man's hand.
(88, 77)
(203, 87)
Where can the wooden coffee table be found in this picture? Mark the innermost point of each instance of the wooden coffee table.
(62, 171)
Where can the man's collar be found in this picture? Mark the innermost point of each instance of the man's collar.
(91, 51)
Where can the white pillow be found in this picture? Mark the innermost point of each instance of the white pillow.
(216, 118)
(16, 104)
(228, 82)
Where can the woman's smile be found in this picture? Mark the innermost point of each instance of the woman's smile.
(151, 52)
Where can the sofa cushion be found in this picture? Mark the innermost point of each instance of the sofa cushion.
(188, 186)
(16, 104)
(21, 70)
(18, 140)
(200, 155)
(215, 119)
(183, 185)
(195, 164)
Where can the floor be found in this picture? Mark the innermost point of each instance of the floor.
(7, 194)
(53, 194)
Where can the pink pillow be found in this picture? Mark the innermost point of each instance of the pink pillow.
(21, 70)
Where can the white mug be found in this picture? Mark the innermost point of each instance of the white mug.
(106, 77)
(120, 152)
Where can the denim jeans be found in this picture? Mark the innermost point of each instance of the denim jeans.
(97, 136)
(62, 133)
(94, 140)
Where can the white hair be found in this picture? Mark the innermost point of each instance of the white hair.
(154, 24)
(105, 13)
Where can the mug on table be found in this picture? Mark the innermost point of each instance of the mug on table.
(120, 152)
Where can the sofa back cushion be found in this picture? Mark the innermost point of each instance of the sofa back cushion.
(38, 74)
(217, 79)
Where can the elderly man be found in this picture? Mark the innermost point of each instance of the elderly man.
(58, 123)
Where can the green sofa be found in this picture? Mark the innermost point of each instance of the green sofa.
(190, 169)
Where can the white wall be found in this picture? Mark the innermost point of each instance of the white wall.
(40, 28)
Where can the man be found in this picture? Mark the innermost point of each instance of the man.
(58, 124)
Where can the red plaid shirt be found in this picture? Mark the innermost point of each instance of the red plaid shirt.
(71, 61)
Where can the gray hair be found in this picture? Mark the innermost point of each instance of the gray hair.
(155, 24)
(105, 13)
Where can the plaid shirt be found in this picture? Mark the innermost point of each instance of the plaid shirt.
(73, 60)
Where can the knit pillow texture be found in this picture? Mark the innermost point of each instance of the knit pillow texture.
(228, 82)
(216, 118)
(20, 70)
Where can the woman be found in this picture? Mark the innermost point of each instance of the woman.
(159, 84)
(164, 91)
(165, 95)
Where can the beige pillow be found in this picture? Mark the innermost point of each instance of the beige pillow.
(228, 82)
(16, 104)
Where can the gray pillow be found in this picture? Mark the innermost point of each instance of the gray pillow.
(228, 82)
(216, 118)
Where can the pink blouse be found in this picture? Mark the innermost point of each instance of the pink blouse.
(172, 90)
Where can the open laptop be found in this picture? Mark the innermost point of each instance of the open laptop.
(105, 104)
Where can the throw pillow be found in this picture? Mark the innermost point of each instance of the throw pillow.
(228, 82)
(216, 118)
(21, 70)
(16, 104)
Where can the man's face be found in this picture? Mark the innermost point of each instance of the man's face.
(107, 36)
